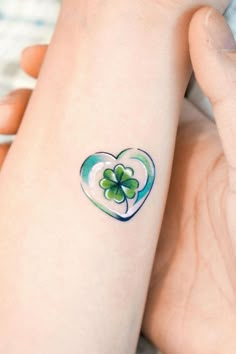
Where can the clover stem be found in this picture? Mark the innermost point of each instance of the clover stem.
(127, 205)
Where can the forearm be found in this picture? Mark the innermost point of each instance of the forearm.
(77, 277)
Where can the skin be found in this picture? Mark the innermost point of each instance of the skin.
(179, 256)
(191, 307)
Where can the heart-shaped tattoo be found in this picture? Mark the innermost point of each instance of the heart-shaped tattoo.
(118, 185)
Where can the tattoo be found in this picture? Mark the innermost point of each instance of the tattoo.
(118, 185)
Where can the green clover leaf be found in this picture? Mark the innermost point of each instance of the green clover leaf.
(118, 183)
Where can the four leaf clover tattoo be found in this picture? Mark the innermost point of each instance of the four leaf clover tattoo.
(118, 183)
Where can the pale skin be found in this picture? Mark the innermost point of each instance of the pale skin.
(194, 284)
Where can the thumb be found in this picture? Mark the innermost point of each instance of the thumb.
(213, 55)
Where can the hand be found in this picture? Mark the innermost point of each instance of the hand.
(191, 306)
(13, 106)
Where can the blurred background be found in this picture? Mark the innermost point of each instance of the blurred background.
(22, 23)
(26, 22)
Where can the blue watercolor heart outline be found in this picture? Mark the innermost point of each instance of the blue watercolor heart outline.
(138, 154)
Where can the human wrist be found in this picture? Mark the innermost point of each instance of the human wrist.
(163, 24)
(149, 13)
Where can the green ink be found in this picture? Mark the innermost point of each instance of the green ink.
(118, 184)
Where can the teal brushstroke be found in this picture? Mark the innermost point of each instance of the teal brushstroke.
(87, 166)
(151, 176)
(150, 168)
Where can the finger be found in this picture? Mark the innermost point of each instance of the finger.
(32, 59)
(213, 54)
(12, 108)
(3, 152)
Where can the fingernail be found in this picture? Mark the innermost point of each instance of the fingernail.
(220, 34)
